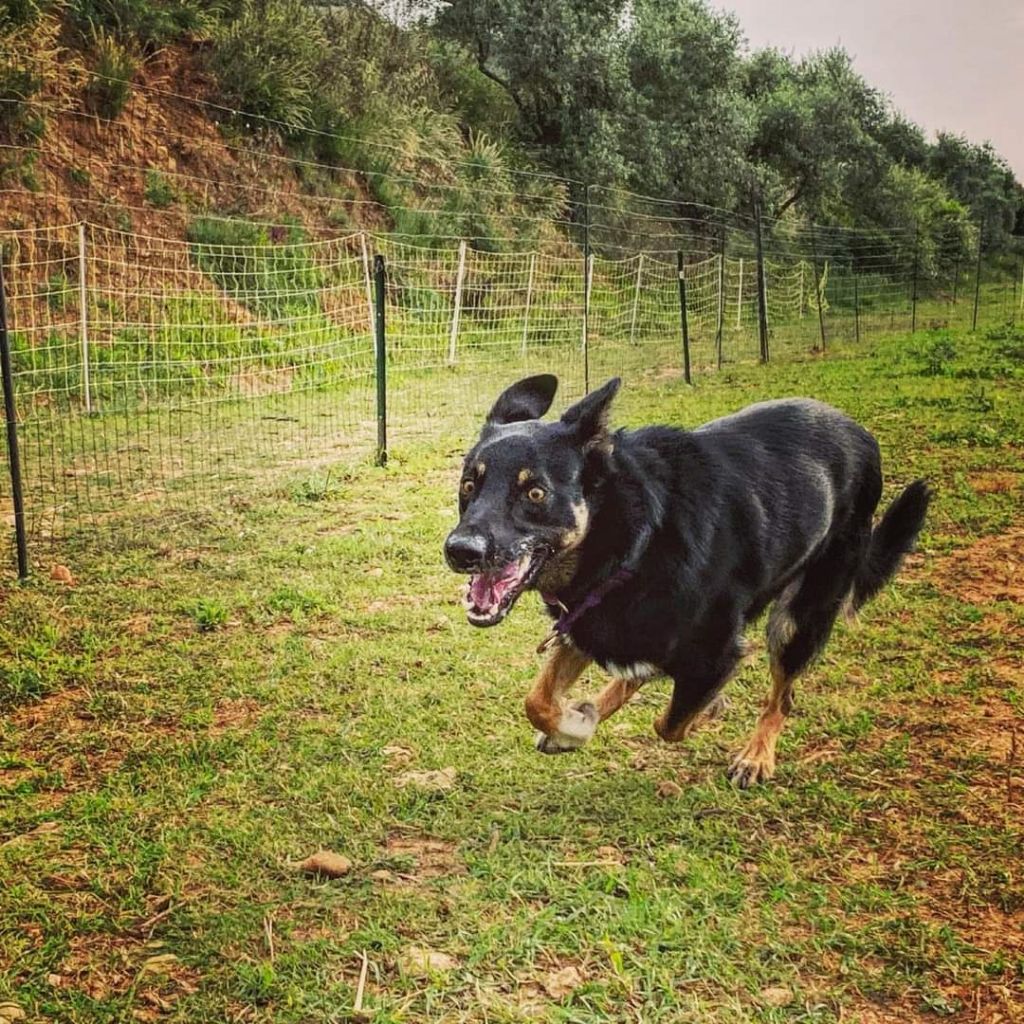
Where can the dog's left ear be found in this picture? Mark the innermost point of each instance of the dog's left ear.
(588, 418)
(527, 399)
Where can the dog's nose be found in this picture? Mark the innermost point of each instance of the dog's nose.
(465, 551)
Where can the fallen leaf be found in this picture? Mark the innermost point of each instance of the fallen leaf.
(62, 574)
(667, 788)
(420, 962)
(777, 995)
(11, 1011)
(159, 964)
(326, 863)
(435, 780)
(559, 984)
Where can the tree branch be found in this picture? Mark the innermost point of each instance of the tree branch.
(800, 189)
(481, 63)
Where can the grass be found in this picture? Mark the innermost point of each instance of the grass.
(219, 697)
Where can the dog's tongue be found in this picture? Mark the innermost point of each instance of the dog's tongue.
(486, 589)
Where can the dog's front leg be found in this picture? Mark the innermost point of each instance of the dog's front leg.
(560, 728)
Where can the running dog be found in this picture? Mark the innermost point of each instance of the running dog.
(652, 549)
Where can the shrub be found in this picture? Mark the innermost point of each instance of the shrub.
(27, 53)
(147, 23)
(158, 191)
(937, 355)
(110, 86)
(16, 13)
(271, 273)
(267, 61)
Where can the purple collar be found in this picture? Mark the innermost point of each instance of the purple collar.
(569, 618)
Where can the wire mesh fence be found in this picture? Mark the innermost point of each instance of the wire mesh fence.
(154, 376)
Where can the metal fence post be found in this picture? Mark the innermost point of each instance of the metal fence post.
(460, 276)
(913, 282)
(977, 282)
(12, 432)
(721, 298)
(683, 320)
(380, 360)
(762, 288)
(529, 296)
(817, 286)
(84, 317)
(739, 298)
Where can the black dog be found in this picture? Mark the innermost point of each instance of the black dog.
(654, 548)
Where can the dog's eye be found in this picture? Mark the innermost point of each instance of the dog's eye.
(467, 488)
(536, 494)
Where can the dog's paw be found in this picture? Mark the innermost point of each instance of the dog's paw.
(576, 726)
(755, 764)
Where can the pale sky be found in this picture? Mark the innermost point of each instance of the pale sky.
(955, 66)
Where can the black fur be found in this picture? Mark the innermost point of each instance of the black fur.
(705, 529)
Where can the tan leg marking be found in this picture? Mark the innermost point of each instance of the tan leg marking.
(756, 762)
(617, 693)
(682, 729)
(544, 703)
(712, 711)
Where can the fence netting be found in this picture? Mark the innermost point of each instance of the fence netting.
(158, 377)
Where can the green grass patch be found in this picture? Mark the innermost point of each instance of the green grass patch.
(220, 696)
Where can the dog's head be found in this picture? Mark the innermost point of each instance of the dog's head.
(522, 499)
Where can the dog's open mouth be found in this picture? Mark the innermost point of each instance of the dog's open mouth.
(490, 595)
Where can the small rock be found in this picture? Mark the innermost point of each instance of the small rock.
(436, 780)
(11, 1011)
(420, 962)
(777, 995)
(668, 789)
(327, 864)
(62, 574)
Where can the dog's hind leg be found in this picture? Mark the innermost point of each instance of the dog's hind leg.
(799, 626)
(560, 728)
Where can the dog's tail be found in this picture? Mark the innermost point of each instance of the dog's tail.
(891, 539)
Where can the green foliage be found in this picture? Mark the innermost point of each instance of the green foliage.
(270, 272)
(937, 353)
(58, 291)
(158, 191)
(17, 13)
(982, 180)
(148, 24)
(26, 50)
(209, 614)
(267, 62)
(110, 86)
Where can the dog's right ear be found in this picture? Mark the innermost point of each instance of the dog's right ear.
(527, 399)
